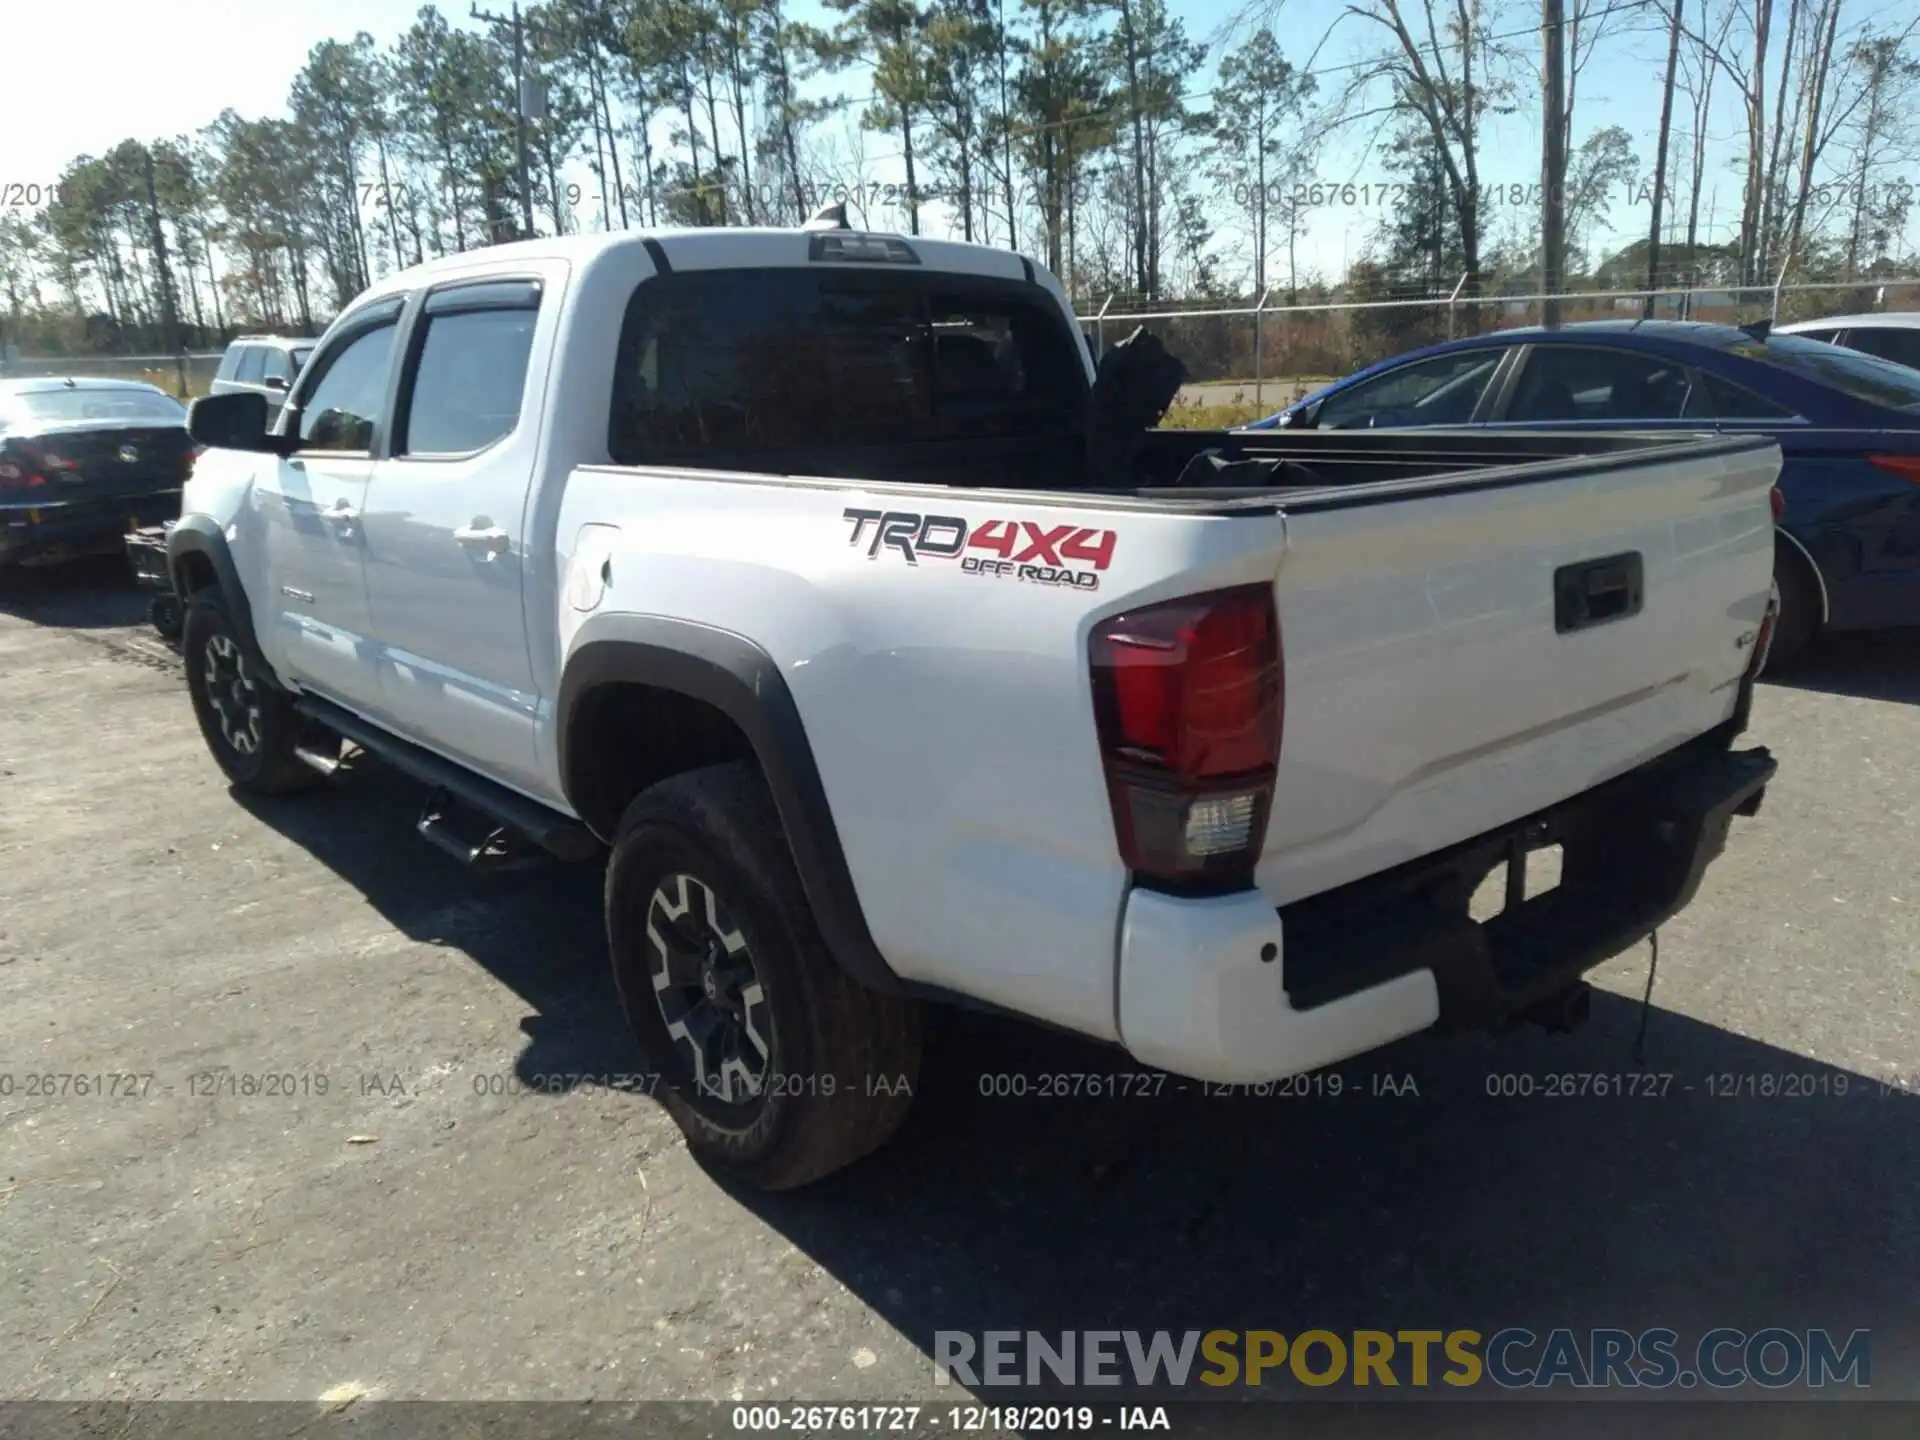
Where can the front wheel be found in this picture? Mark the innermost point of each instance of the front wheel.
(250, 726)
(776, 1065)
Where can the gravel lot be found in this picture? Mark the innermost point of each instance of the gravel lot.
(422, 1217)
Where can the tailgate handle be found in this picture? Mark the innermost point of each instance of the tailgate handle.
(1596, 591)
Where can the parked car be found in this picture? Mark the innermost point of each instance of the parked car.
(84, 461)
(265, 365)
(895, 658)
(1848, 425)
(1892, 335)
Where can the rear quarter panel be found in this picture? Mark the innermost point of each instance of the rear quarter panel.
(949, 713)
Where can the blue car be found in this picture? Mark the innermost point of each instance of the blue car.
(1848, 555)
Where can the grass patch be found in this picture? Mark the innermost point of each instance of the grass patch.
(1212, 417)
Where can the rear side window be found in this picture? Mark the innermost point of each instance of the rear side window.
(253, 360)
(1577, 382)
(1900, 346)
(1826, 337)
(467, 387)
(735, 364)
(229, 363)
(1728, 401)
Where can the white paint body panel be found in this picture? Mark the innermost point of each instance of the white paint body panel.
(950, 715)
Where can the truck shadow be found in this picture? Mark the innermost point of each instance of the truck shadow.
(1048, 1183)
(1868, 665)
(1443, 1183)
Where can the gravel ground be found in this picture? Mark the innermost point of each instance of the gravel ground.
(335, 1168)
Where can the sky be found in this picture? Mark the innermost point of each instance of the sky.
(110, 69)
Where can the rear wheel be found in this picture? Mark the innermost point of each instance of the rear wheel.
(250, 726)
(1799, 618)
(777, 1066)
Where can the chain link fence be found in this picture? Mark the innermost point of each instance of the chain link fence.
(1269, 355)
(1263, 354)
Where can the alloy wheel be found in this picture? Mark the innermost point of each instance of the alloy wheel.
(232, 694)
(708, 990)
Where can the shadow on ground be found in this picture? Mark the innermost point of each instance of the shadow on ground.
(1872, 665)
(96, 592)
(1439, 1184)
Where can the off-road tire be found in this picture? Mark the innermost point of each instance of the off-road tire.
(250, 726)
(843, 1061)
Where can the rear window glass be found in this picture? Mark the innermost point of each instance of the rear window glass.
(725, 365)
(63, 405)
(1864, 377)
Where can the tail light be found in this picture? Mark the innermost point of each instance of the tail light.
(1907, 467)
(1779, 503)
(18, 472)
(1188, 697)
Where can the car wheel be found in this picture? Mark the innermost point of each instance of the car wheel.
(777, 1066)
(165, 614)
(1799, 620)
(250, 726)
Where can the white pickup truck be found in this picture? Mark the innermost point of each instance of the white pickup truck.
(821, 576)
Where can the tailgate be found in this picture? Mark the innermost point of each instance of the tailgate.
(1462, 652)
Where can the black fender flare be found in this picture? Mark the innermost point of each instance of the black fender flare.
(739, 679)
(199, 535)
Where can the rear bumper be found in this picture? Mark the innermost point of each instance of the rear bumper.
(1229, 989)
(57, 529)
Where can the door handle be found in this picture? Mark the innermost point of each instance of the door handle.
(487, 540)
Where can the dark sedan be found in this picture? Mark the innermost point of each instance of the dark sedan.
(1848, 426)
(84, 461)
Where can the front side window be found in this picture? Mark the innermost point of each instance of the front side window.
(468, 384)
(742, 364)
(1576, 383)
(276, 364)
(1442, 390)
(342, 407)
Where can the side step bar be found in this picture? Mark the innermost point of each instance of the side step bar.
(553, 832)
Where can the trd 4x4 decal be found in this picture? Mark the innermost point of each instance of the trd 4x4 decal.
(1016, 549)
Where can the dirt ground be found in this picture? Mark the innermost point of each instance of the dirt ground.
(311, 1131)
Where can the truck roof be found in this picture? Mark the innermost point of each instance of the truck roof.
(702, 248)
